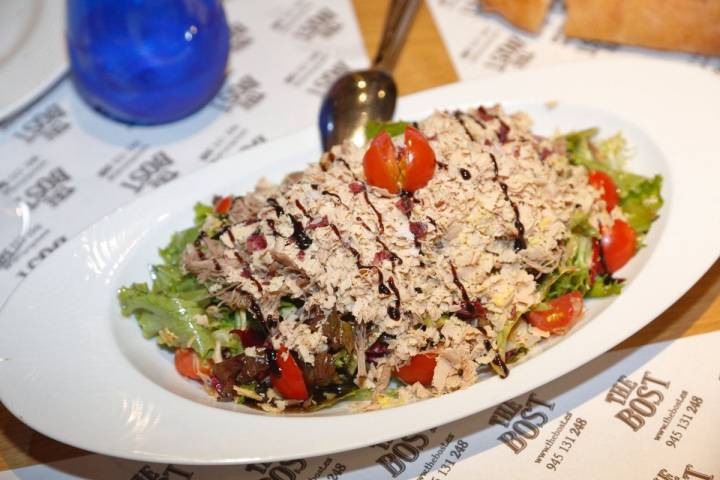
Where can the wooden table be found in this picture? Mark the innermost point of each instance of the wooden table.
(425, 63)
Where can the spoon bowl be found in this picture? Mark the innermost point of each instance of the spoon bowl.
(363, 96)
(355, 99)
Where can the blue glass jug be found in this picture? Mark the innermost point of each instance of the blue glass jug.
(147, 61)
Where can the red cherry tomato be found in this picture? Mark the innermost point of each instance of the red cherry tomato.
(618, 245)
(603, 182)
(224, 205)
(381, 165)
(409, 169)
(188, 363)
(290, 383)
(563, 311)
(420, 369)
(419, 160)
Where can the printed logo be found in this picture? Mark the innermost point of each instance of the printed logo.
(523, 421)
(239, 37)
(52, 189)
(47, 124)
(640, 406)
(151, 173)
(244, 92)
(324, 23)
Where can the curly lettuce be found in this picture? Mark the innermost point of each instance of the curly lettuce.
(640, 196)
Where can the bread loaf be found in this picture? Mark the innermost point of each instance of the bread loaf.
(686, 25)
(526, 14)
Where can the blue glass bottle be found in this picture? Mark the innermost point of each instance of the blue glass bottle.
(147, 61)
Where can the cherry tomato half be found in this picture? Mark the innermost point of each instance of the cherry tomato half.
(290, 383)
(409, 169)
(420, 368)
(603, 182)
(224, 205)
(561, 313)
(381, 165)
(618, 245)
(188, 363)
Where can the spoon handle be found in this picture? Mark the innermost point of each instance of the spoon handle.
(397, 23)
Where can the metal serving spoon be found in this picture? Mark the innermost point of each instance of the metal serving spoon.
(367, 95)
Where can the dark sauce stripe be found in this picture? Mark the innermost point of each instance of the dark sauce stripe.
(198, 245)
(299, 235)
(519, 242)
(377, 214)
(459, 284)
(350, 248)
(276, 206)
(302, 209)
(394, 312)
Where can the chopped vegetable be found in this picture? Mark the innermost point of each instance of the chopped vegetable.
(618, 245)
(224, 205)
(289, 382)
(557, 315)
(602, 181)
(392, 128)
(639, 196)
(420, 369)
(408, 169)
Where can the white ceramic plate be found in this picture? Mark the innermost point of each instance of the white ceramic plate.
(32, 50)
(77, 371)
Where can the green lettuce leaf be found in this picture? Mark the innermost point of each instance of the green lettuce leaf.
(172, 253)
(574, 274)
(640, 196)
(392, 128)
(640, 199)
(170, 317)
(604, 288)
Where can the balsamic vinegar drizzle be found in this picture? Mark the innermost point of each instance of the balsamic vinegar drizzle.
(364, 225)
(393, 256)
(377, 214)
(216, 264)
(394, 312)
(382, 288)
(271, 357)
(486, 342)
(519, 243)
(223, 230)
(345, 163)
(331, 194)
(350, 248)
(496, 359)
(198, 245)
(302, 209)
(271, 224)
(278, 209)
(458, 284)
(299, 235)
(465, 174)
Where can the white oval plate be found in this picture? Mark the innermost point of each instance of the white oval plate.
(77, 371)
(32, 50)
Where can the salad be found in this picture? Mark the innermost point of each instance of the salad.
(399, 270)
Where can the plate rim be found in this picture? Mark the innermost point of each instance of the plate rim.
(50, 23)
(407, 103)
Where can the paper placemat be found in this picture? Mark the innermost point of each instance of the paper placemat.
(68, 166)
(648, 413)
(482, 43)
